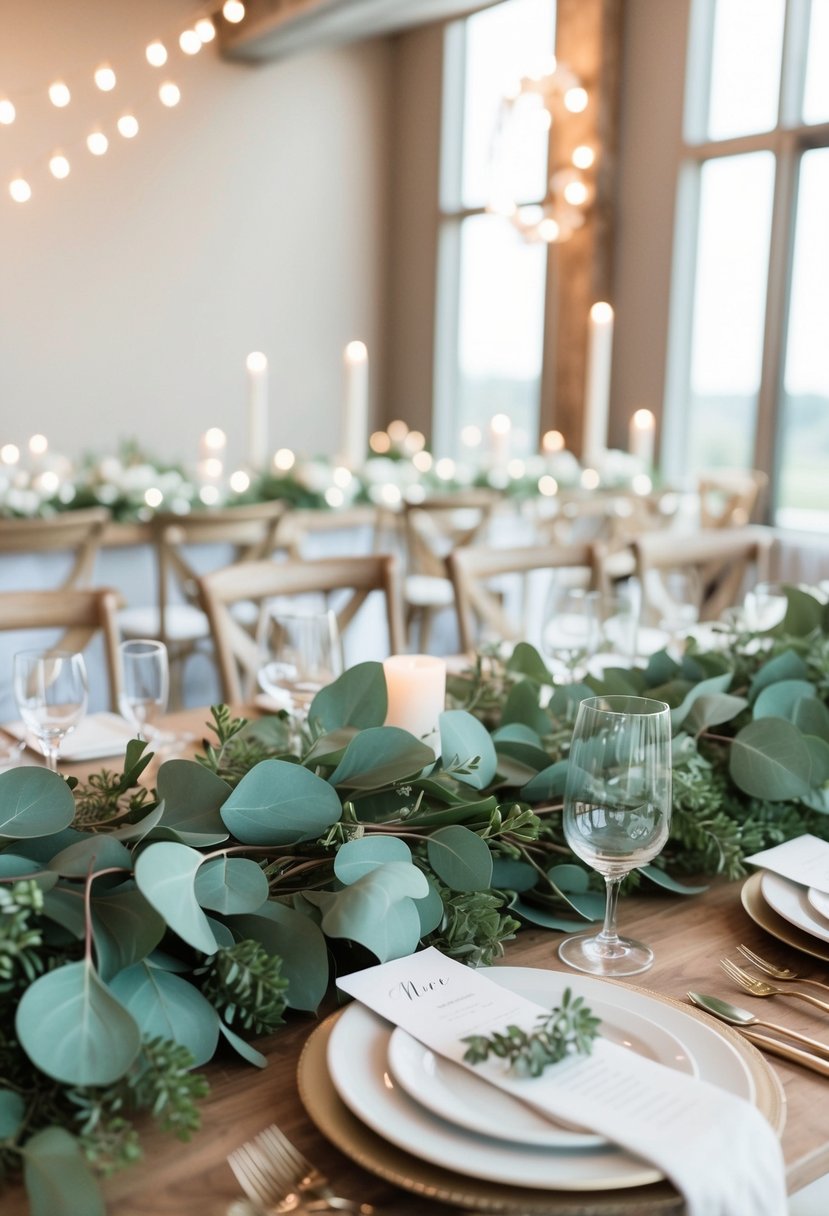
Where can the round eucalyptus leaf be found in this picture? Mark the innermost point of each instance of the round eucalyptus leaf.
(381, 755)
(780, 700)
(358, 857)
(43, 848)
(509, 874)
(245, 1049)
(231, 884)
(377, 912)
(516, 732)
(547, 784)
(299, 942)
(137, 831)
(73, 1029)
(785, 666)
(712, 710)
(97, 852)
(34, 802)
(12, 1113)
(467, 749)
(430, 909)
(705, 688)
(522, 708)
(165, 873)
(812, 717)
(572, 883)
(64, 905)
(125, 929)
(14, 866)
(460, 858)
(526, 661)
(770, 759)
(223, 934)
(356, 698)
(546, 919)
(819, 755)
(192, 798)
(166, 1006)
(57, 1178)
(280, 803)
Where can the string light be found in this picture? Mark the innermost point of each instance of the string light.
(38, 445)
(190, 42)
(59, 94)
(583, 156)
(169, 94)
(7, 112)
(20, 190)
(128, 126)
(97, 143)
(59, 166)
(105, 78)
(205, 29)
(284, 459)
(233, 11)
(156, 54)
(576, 100)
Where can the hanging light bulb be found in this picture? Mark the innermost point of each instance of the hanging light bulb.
(169, 94)
(233, 11)
(156, 54)
(105, 78)
(59, 94)
(205, 29)
(583, 156)
(190, 42)
(59, 166)
(20, 190)
(7, 111)
(575, 100)
(549, 230)
(576, 193)
(97, 143)
(128, 126)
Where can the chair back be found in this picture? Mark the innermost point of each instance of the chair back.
(730, 498)
(442, 523)
(238, 656)
(80, 532)
(81, 612)
(727, 561)
(481, 606)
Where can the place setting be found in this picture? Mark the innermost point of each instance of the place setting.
(788, 895)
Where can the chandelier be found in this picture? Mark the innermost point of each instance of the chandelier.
(551, 98)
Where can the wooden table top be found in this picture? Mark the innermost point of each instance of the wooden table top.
(689, 936)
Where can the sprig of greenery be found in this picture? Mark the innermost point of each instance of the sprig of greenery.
(473, 929)
(20, 941)
(568, 1029)
(245, 984)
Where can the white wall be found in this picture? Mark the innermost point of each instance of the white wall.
(252, 216)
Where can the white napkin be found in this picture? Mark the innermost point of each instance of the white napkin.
(95, 737)
(716, 1148)
(804, 860)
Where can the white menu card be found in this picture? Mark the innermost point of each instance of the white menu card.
(805, 860)
(716, 1148)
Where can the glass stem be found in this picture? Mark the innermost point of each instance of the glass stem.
(608, 935)
(51, 752)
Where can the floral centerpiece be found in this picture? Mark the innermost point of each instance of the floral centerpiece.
(145, 927)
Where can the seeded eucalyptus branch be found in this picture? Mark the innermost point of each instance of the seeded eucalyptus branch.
(569, 1029)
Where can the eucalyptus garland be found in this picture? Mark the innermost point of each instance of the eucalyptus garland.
(221, 900)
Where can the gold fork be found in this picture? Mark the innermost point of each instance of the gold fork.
(777, 973)
(275, 1175)
(756, 987)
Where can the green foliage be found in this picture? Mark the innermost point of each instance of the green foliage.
(20, 940)
(473, 928)
(569, 1029)
(245, 984)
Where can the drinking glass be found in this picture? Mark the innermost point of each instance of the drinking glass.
(50, 688)
(572, 629)
(617, 811)
(145, 684)
(765, 606)
(303, 653)
(678, 601)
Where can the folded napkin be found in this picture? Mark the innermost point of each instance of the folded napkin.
(95, 737)
(716, 1148)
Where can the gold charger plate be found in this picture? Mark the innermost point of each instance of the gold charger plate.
(363, 1146)
(755, 905)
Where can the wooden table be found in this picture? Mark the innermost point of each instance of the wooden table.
(689, 936)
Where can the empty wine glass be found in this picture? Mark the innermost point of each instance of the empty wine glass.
(303, 653)
(145, 684)
(677, 596)
(51, 691)
(617, 812)
(571, 630)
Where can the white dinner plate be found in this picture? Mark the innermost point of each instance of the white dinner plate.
(358, 1065)
(819, 901)
(790, 900)
(459, 1096)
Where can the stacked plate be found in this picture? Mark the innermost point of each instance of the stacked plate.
(794, 914)
(430, 1125)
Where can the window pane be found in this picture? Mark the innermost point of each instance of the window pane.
(816, 92)
(804, 485)
(745, 67)
(729, 307)
(503, 44)
(501, 328)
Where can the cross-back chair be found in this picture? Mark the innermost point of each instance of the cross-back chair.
(238, 655)
(730, 498)
(78, 533)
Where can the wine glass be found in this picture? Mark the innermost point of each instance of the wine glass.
(571, 630)
(303, 653)
(765, 606)
(617, 811)
(145, 684)
(51, 691)
(677, 596)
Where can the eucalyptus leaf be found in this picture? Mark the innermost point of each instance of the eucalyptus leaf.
(356, 698)
(785, 666)
(709, 687)
(660, 669)
(34, 802)
(477, 811)
(358, 857)
(222, 932)
(780, 700)
(98, 852)
(712, 710)
(135, 832)
(245, 1049)
(511, 875)
(770, 759)
(299, 942)
(280, 803)
(381, 755)
(516, 732)
(166, 873)
(547, 784)
(43, 848)
(12, 1113)
(812, 717)
(58, 1180)
(466, 742)
(73, 1029)
(512, 773)
(192, 797)
(168, 1007)
(522, 708)
(231, 884)
(545, 919)
(619, 681)
(430, 909)
(125, 929)
(661, 879)
(572, 884)
(378, 910)
(803, 615)
(64, 905)
(526, 661)
(14, 866)
(460, 858)
(819, 755)
(530, 755)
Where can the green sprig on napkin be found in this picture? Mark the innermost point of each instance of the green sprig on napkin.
(569, 1029)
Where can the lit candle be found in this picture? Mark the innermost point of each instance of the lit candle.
(642, 436)
(257, 366)
(597, 383)
(416, 686)
(355, 405)
(212, 443)
(500, 434)
(551, 442)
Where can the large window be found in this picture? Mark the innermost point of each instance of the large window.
(751, 313)
(490, 317)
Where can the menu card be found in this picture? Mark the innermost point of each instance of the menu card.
(804, 860)
(716, 1148)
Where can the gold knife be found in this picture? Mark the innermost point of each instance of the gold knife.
(795, 1054)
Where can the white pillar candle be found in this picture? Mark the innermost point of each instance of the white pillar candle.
(642, 436)
(416, 685)
(500, 440)
(355, 405)
(597, 384)
(257, 367)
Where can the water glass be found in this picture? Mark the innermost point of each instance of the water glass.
(765, 607)
(572, 629)
(617, 813)
(145, 684)
(51, 691)
(302, 653)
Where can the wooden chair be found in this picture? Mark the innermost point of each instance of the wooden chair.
(726, 562)
(730, 498)
(74, 532)
(243, 533)
(238, 657)
(81, 612)
(480, 605)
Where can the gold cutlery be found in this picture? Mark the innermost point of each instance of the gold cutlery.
(794, 1054)
(755, 987)
(278, 1178)
(777, 973)
(736, 1016)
